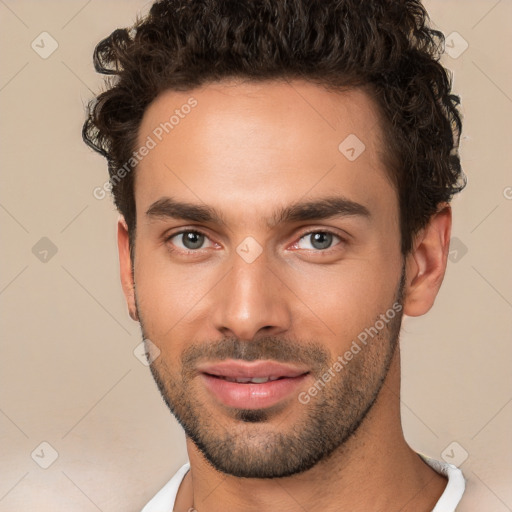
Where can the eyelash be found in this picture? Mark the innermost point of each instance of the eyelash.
(313, 231)
(324, 231)
(183, 231)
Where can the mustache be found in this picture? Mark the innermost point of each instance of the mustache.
(275, 348)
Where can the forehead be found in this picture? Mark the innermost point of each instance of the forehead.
(251, 143)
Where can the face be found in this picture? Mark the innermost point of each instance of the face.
(265, 250)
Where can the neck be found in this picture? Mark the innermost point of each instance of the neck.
(374, 469)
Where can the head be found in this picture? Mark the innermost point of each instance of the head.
(283, 171)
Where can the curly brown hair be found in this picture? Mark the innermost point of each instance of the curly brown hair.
(385, 46)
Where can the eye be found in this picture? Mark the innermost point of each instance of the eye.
(318, 240)
(190, 240)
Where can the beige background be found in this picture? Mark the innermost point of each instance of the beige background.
(68, 373)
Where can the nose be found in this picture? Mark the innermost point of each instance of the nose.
(251, 300)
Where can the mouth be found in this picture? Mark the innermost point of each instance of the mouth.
(251, 385)
(248, 380)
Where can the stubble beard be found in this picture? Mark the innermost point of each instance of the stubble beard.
(259, 443)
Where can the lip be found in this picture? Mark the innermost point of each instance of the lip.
(251, 395)
(243, 369)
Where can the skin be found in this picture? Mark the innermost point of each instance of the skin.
(246, 150)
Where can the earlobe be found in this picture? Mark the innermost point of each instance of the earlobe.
(125, 267)
(426, 263)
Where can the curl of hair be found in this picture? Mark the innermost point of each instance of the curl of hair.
(385, 46)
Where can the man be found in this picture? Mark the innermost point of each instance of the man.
(283, 170)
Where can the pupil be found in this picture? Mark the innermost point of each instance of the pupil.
(193, 240)
(321, 240)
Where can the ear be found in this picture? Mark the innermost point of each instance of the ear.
(426, 263)
(125, 265)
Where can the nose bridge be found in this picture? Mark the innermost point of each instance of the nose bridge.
(251, 298)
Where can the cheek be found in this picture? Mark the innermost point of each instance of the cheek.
(345, 298)
(168, 294)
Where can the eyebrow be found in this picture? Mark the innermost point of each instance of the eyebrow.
(318, 209)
